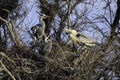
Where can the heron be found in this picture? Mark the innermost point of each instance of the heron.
(39, 29)
(80, 37)
(47, 45)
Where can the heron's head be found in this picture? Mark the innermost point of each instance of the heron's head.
(70, 31)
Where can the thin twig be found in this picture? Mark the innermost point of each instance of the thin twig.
(3, 20)
(7, 70)
(4, 55)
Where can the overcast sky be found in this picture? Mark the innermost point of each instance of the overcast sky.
(33, 18)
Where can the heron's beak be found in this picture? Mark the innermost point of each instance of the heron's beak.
(47, 17)
(44, 16)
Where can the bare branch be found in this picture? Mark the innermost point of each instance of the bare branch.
(4, 55)
(4, 67)
(69, 10)
(116, 20)
(13, 35)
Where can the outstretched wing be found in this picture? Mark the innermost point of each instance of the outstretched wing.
(80, 35)
(86, 39)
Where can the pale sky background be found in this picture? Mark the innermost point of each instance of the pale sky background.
(33, 18)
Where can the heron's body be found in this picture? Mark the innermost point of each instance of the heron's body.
(38, 31)
(79, 37)
(47, 45)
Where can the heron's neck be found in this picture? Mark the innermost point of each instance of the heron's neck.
(42, 23)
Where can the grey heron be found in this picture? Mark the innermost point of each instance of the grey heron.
(47, 45)
(39, 29)
(79, 37)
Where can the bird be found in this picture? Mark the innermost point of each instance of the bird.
(47, 45)
(80, 37)
(38, 30)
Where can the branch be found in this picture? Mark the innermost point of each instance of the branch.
(69, 11)
(116, 20)
(13, 35)
(3, 66)
(3, 20)
(4, 55)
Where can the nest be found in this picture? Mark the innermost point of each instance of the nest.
(26, 64)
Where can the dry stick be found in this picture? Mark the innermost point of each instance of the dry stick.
(17, 36)
(69, 11)
(69, 21)
(4, 55)
(13, 37)
(7, 70)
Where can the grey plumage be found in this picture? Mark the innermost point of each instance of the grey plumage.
(47, 45)
(39, 29)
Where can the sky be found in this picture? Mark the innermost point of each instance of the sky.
(32, 18)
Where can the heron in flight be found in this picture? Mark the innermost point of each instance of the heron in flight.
(39, 29)
(80, 37)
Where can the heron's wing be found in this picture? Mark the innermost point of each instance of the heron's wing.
(39, 30)
(38, 25)
(35, 27)
(86, 38)
(80, 35)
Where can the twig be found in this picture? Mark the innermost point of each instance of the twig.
(4, 55)
(3, 20)
(7, 70)
(13, 36)
(69, 11)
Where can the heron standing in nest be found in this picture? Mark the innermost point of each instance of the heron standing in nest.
(38, 30)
